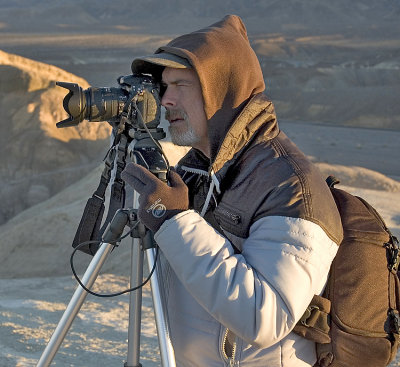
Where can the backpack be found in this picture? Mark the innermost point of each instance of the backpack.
(355, 323)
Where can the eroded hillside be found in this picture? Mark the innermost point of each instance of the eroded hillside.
(37, 159)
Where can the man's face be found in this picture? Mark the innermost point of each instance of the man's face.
(184, 105)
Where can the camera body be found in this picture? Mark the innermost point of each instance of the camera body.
(138, 97)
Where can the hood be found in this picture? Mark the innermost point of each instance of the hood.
(228, 69)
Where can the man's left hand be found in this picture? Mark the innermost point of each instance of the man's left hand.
(158, 201)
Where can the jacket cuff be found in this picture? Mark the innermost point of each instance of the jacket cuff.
(172, 220)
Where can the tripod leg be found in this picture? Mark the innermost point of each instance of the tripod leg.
(74, 305)
(166, 348)
(135, 306)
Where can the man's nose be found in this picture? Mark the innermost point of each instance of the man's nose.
(168, 99)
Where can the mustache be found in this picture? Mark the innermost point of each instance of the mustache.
(174, 114)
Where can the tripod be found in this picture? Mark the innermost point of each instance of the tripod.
(142, 242)
(134, 112)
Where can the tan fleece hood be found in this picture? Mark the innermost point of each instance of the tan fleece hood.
(228, 70)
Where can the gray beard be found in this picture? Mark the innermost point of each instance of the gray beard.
(186, 138)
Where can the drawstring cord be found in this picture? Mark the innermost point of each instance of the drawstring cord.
(208, 199)
(214, 184)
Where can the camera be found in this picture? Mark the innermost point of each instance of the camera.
(137, 97)
(133, 110)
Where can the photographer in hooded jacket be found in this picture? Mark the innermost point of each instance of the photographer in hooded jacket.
(247, 227)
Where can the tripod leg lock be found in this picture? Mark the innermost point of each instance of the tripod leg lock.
(114, 230)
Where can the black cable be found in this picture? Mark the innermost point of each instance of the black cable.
(111, 294)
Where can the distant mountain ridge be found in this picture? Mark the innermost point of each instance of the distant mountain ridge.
(147, 14)
(323, 61)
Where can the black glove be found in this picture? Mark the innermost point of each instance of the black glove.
(157, 201)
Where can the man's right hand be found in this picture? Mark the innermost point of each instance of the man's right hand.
(158, 201)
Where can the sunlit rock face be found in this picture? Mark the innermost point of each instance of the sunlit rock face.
(37, 158)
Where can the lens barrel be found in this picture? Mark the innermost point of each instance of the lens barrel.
(92, 104)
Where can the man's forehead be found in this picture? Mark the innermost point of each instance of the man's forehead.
(170, 75)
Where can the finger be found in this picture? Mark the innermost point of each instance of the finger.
(131, 176)
(145, 176)
(134, 182)
(175, 179)
(142, 178)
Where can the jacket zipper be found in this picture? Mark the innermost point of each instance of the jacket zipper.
(230, 359)
(195, 170)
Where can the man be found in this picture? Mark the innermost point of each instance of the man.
(247, 226)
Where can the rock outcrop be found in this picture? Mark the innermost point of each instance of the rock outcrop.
(38, 159)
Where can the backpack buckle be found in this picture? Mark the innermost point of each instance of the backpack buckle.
(395, 320)
(394, 253)
(307, 315)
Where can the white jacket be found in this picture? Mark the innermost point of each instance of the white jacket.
(259, 294)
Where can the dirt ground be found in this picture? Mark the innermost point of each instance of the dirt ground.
(98, 336)
(32, 308)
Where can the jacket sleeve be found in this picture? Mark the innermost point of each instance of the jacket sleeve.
(261, 293)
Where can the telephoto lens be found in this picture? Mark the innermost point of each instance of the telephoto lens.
(92, 104)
